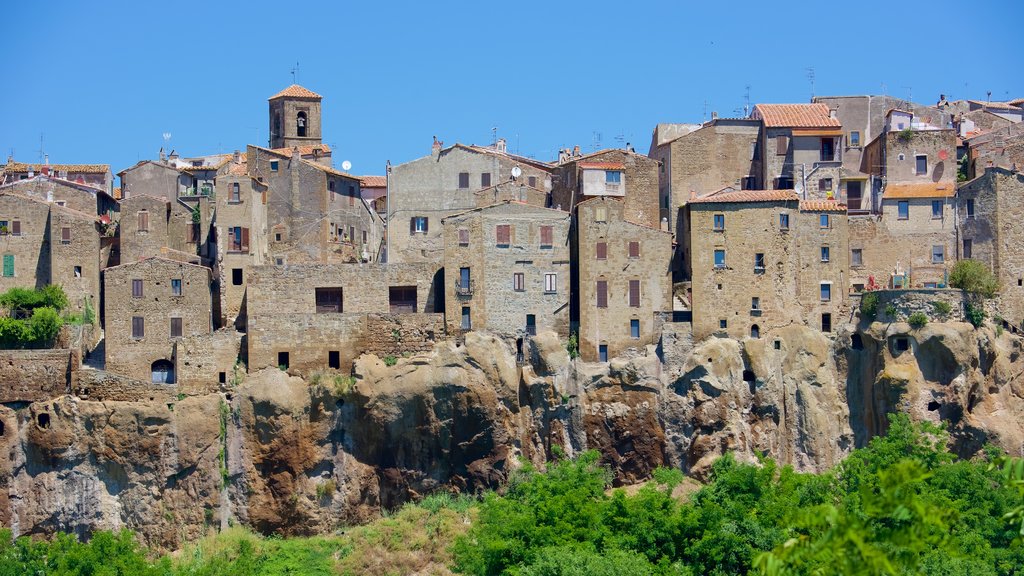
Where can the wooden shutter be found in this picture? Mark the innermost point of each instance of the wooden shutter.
(602, 250)
(8, 265)
(463, 179)
(634, 249)
(634, 293)
(136, 288)
(485, 179)
(138, 327)
(781, 145)
(602, 293)
(143, 221)
(464, 237)
(412, 225)
(245, 238)
(504, 233)
(176, 330)
(545, 235)
(16, 228)
(65, 235)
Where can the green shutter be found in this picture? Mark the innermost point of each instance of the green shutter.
(8, 265)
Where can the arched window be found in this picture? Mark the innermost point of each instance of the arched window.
(755, 331)
(300, 124)
(163, 372)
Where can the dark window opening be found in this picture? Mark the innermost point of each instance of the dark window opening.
(163, 372)
(634, 328)
(222, 377)
(463, 179)
(334, 359)
(282, 360)
(856, 342)
(826, 322)
(300, 125)
(328, 300)
(485, 179)
(901, 344)
(755, 331)
(236, 276)
(402, 299)
(602, 353)
(778, 344)
(748, 376)
(1, 428)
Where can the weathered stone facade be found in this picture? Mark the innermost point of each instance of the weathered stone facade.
(295, 117)
(94, 175)
(144, 302)
(152, 226)
(637, 281)
(428, 189)
(36, 375)
(637, 183)
(241, 235)
(80, 197)
(501, 284)
(75, 256)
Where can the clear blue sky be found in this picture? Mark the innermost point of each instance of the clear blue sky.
(101, 81)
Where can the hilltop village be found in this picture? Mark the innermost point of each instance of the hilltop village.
(200, 267)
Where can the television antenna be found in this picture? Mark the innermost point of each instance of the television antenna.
(746, 101)
(810, 77)
(596, 144)
(295, 73)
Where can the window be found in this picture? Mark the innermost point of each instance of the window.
(330, 185)
(351, 195)
(825, 185)
(936, 209)
(519, 282)
(463, 237)
(136, 288)
(968, 244)
(759, 262)
(938, 254)
(175, 286)
(236, 276)
(466, 323)
(485, 179)
(901, 344)
(613, 177)
(602, 250)
(334, 359)
(138, 327)
(920, 164)
(828, 149)
(328, 300)
(781, 145)
(970, 207)
(723, 323)
(15, 227)
(531, 324)
(8, 265)
(273, 165)
(903, 210)
(853, 194)
(550, 283)
(784, 222)
(463, 180)
(826, 292)
(602, 293)
(719, 222)
(748, 183)
(824, 253)
(634, 293)
(854, 139)
(602, 353)
(755, 303)
(719, 258)
(857, 257)
(826, 322)
(239, 238)
(78, 271)
(300, 124)
(784, 183)
(634, 328)
(364, 236)
(600, 214)
(823, 220)
(634, 249)
(465, 285)
(504, 234)
(532, 181)
(235, 194)
(282, 360)
(65, 235)
(176, 329)
(546, 236)
(418, 225)
(143, 221)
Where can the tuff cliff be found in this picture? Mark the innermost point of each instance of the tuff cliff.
(295, 456)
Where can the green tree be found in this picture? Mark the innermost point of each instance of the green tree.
(973, 277)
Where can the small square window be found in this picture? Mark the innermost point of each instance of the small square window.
(613, 177)
(634, 249)
(485, 179)
(463, 237)
(936, 209)
(903, 210)
(175, 286)
(236, 276)
(857, 257)
(901, 344)
(78, 271)
(938, 254)
(784, 222)
(634, 328)
(420, 225)
(824, 254)
(463, 180)
(824, 220)
(723, 323)
(719, 258)
(273, 165)
(600, 214)
(719, 222)
(854, 139)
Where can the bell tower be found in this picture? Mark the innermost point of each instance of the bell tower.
(295, 118)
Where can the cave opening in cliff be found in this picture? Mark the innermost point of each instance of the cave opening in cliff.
(1, 427)
(748, 375)
(43, 420)
(856, 342)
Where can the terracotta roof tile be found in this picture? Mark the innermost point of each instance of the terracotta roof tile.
(822, 206)
(330, 170)
(295, 91)
(117, 193)
(84, 168)
(795, 116)
(374, 181)
(303, 150)
(731, 196)
(602, 165)
(919, 190)
(995, 105)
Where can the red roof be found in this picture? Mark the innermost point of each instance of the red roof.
(374, 181)
(822, 206)
(747, 196)
(295, 91)
(307, 150)
(919, 190)
(796, 116)
(602, 166)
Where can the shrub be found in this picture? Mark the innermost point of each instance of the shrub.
(974, 314)
(917, 320)
(869, 305)
(973, 277)
(890, 311)
(27, 299)
(573, 346)
(325, 489)
(390, 360)
(942, 308)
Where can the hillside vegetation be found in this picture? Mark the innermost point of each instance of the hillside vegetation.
(902, 505)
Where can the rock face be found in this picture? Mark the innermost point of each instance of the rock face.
(293, 456)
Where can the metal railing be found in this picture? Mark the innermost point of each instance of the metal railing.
(464, 289)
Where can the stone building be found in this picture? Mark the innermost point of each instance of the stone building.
(42, 243)
(240, 222)
(428, 189)
(623, 280)
(610, 173)
(719, 153)
(763, 260)
(154, 226)
(95, 175)
(295, 118)
(507, 270)
(322, 316)
(801, 148)
(148, 306)
(1003, 148)
(81, 197)
(991, 228)
(512, 191)
(151, 178)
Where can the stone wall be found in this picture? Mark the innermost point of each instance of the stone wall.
(102, 386)
(75, 262)
(206, 361)
(398, 334)
(906, 302)
(33, 375)
(639, 175)
(30, 249)
(939, 146)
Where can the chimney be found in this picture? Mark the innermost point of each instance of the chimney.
(563, 155)
(832, 113)
(173, 156)
(500, 145)
(46, 159)
(576, 151)
(236, 157)
(163, 157)
(714, 115)
(435, 149)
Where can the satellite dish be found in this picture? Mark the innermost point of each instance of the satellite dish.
(517, 172)
(346, 165)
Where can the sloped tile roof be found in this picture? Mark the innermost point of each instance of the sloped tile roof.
(602, 165)
(731, 196)
(796, 116)
(919, 190)
(83, 168)
(295, 91)
(329, 170)
(374, 181)
(303, 150)
(822, 206)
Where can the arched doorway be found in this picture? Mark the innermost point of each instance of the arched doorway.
(163, 372)
(755, 331)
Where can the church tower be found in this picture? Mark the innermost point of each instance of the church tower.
(295, 118)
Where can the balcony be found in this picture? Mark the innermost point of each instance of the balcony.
(464, 289)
